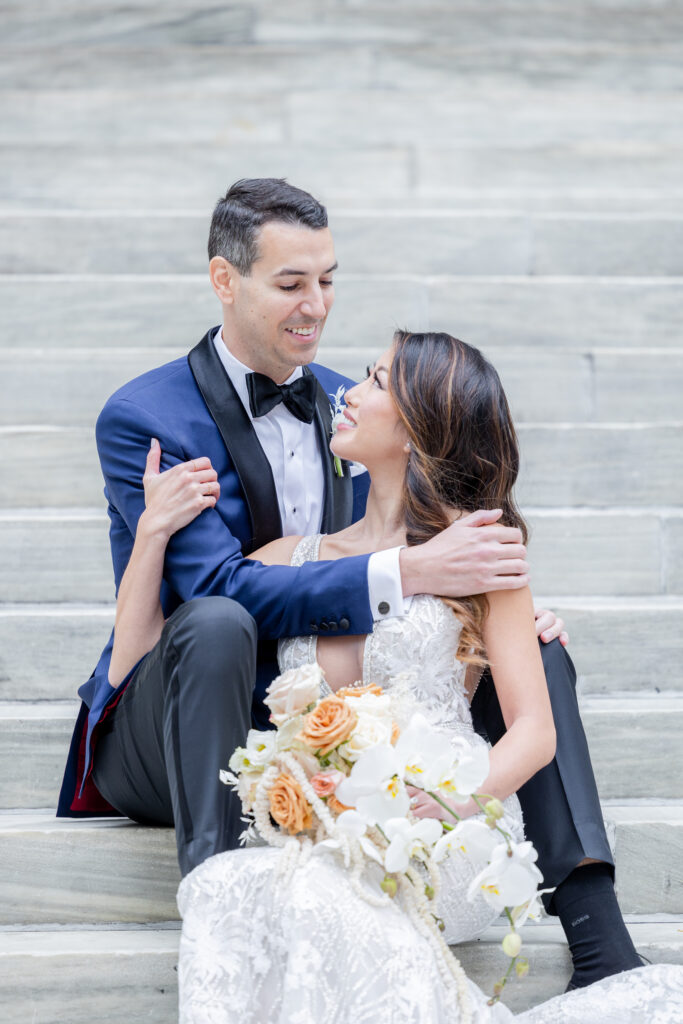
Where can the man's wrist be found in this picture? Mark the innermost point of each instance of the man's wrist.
(409, 566)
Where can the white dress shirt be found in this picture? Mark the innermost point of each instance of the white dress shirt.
(293, 452)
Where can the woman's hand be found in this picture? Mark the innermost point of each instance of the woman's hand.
(175, 497)
(422, 805)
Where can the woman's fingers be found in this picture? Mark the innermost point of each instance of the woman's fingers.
(153, 459)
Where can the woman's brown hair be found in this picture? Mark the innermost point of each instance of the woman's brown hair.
(463, 449)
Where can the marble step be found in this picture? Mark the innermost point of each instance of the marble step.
(634, 743)
(60, 871)
(619, 645)
(567, 464)
(561, 129)
(570, 313)
(56, 556)
(129, 973)
(525, 26)
(145, 227)
(69, 387)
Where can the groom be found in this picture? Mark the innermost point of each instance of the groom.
(249, 398)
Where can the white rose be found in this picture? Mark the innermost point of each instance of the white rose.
(260, 748)
(371, 704)
(293, 691)
(370, 731)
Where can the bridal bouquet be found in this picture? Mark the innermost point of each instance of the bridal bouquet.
(336, 771)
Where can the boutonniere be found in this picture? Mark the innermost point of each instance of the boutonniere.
(337, 415)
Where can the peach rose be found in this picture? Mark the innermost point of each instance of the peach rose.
(325, 783)
(336, 806)
(358, 691)
(328, 725)
(288, 805)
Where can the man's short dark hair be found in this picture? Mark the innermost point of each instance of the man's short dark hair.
(247, 206)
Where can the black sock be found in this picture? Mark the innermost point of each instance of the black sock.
(589, 913)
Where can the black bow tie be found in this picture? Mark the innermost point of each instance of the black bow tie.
(298, 397)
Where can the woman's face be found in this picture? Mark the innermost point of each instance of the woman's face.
(371, 432)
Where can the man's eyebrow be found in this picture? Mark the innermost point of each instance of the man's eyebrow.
(378, 368)
(290, 272)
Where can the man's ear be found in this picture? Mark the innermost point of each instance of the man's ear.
(223, 277)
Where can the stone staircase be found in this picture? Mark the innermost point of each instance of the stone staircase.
(509, 172)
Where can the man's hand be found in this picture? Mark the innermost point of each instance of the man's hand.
(472, 556)
(549, 627)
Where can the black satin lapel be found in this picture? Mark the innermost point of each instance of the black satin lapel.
(338, 499)
(239, 437)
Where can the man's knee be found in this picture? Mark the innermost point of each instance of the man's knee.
(215, 629)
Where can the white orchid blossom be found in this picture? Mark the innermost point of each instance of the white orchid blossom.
(408, 840)
(353, 826)
(426, 753)
(472, 838)
(469, 769)
(511, 879)
(532, 910)
(375, 787)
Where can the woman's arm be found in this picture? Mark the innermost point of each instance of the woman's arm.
(517, 670)
(172, 500)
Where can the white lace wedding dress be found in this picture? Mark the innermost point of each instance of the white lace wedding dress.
(260, 946)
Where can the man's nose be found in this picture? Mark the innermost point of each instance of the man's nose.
(313, 304)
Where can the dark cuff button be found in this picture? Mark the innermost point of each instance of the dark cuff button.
(344, 623)
(333, 625)
(383, 607)
(324, 625)
(314, 628)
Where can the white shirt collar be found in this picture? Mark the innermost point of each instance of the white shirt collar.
(237, 371)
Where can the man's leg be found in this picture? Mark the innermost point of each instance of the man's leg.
(185, 710)
(563, 819)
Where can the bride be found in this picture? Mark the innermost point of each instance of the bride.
(432, 426)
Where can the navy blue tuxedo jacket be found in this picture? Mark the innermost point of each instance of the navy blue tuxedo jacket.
(191, 406)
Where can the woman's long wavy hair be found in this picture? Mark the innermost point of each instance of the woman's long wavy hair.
(463, 450)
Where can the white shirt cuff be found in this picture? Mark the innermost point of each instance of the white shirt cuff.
(384, 585)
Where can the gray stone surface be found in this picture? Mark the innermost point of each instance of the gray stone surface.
(107, 177)
(673, 547)
(105, 312)
(108, 973)
(473, 123)
(643, 386)
(624, 645)
(60, 870)
(627, 645)
(438, 242)
(70, 387)
(48, 559)
(48, 651)
(561, 465)
(66, 558)
(34, 741)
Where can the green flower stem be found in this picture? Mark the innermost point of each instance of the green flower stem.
(487, 796)
(338, 467)
(443, 803)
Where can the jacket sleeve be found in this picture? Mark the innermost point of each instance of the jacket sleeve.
(205, 558)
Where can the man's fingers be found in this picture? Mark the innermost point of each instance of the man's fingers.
(512, 551)
(511, 567)
(508, 582)
(482, 517)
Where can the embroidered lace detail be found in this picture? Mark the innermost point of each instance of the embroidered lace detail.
(257, 951)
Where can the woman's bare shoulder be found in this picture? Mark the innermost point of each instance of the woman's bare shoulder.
(278, 552)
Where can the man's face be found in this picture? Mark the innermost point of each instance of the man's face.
(275, 317)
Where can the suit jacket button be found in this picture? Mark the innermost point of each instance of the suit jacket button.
(383, 607)
(324, 625)
(344, 623)
(313, 627)
(333, 625)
